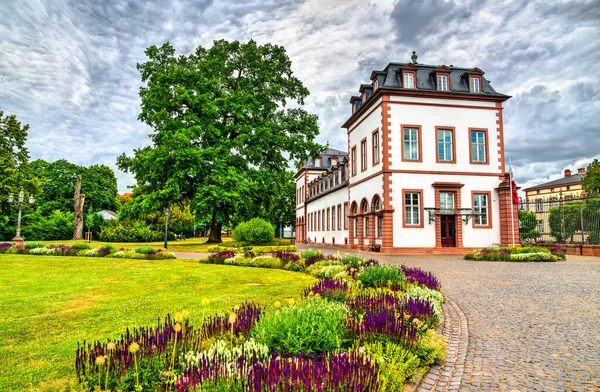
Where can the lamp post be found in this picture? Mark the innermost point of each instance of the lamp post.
(20, 200)
(280, 227)
(166, 227)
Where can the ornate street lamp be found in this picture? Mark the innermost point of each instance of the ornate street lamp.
(166, 227)
(280, 227)
(20, 200)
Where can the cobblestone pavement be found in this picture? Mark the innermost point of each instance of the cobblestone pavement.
(531, 326)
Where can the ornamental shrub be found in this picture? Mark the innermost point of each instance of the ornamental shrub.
(267, 262)
(256, 231)
(129, 232)
(145, 250)
(433, 296)
(330, 271)
(532, 249)
(41, 251)
(432, 348)
(5, 247)
(533, 257)
(380, 276)
(314, 326)
(396, 363)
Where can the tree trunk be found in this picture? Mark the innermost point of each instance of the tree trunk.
(79, 200)
(215, 230)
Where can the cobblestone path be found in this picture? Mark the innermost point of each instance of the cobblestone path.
(529, 326)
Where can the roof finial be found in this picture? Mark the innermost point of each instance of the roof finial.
(414, 57)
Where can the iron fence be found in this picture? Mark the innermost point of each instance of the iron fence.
(574, 220)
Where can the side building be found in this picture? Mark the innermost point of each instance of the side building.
(425, 165)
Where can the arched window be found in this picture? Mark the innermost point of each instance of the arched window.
(364, 207)
(376, 203)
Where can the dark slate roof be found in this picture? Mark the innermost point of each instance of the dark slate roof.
(391, 78)
(459, 79)
(567, 180)
(325, 159)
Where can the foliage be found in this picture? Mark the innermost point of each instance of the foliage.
(591, 180)
(254, 249)
(214, 148)
(417, 275)
(378, 276)
(129, 232)
(314, 326)
(432, 296)
(145, 250)
(331, 289)
(267, 262)
(256, 231)
(565, 220)
(396, 363)
(432, 349)
(489, 254)
(539, 256)
(528, 224)
(219, 258)
(58, 225)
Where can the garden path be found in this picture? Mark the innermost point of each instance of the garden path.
(530, 326)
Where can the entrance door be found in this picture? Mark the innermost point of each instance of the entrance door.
(448, 223)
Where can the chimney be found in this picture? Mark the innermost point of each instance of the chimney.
(581, 170)
(567, 172)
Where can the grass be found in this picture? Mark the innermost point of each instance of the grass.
(189, 245)
(48, 304)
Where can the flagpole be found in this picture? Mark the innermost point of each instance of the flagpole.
(512, 215)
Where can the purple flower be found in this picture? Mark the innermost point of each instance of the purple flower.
(417, 275)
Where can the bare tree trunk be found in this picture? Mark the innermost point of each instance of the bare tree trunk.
(79, 200)
(215, 230)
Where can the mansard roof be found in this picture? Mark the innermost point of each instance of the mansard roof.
(311, 163)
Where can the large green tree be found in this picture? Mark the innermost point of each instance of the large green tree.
(99, 185)
(221, 123)
(14, 158)
(591, 181)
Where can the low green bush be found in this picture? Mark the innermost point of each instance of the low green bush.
(396, 363)
(256, 231)
(145, 250)
(433, 296)
(353, 260)
(331, 271)
(129, 232)
(532, 249)
(432, 348)
(380, 276)
(81, 245)
(313, 326)
(255, 249)
(41, 251)
(315, 269)
(267, 262)
(310, 253)
(297, 266)
(34, 244)
(540, 256)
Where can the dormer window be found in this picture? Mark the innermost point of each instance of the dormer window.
(409, 75)
(474, 84)
(363, 97)
(475, 76)
(442, 83)
(375, 85)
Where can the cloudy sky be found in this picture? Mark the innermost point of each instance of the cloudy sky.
(67, 68)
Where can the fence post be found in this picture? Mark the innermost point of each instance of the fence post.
(581, 218)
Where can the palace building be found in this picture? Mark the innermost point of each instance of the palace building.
(423, 170)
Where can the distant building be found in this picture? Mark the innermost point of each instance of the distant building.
(423, 170)
(108, 215)
(541, 198)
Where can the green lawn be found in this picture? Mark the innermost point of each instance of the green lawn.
(48, 304)
(190, 245)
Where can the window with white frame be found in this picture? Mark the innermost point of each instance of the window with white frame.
(411, 144)
(478, 143)
(375, 148)
(353, 157)
(480, 208)
(346, 219)
(541, 226)
(474, 84)
(339, 217)
(444, 147)
(442, 83)
(409, 80)
(447, 200)
(412, 208)
(379, 226)
(363, 155)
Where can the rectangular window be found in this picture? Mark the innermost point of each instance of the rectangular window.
(409, 80)
(410, 144)
(541, 226)
(379, 226)
(328, 220)
(323, 219)
(355, 227)
(353, 157)
(339, 217)
(445, 145)
(478, 146)
(474, 83)
(480, 208)
(363, 155)
(319, 222)
(366, 232)
(447, 200)
(412, 208)
(346, 219)
(375, 148)
(442, 83)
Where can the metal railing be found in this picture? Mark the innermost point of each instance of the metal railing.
(568, 220)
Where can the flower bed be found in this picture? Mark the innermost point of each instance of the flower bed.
(82, 249)
(342, 335)
(530, 253)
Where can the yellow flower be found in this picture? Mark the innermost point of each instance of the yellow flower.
(277, 304)
(177, 327)
(358, 282)
(317, 295)
(100, 360)
(232, 318)
(111, 346)
(185, 313)
(237, 308)
(178, 317)
(134, 348)
(291, 301)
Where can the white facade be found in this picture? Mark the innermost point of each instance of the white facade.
(424, 167)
